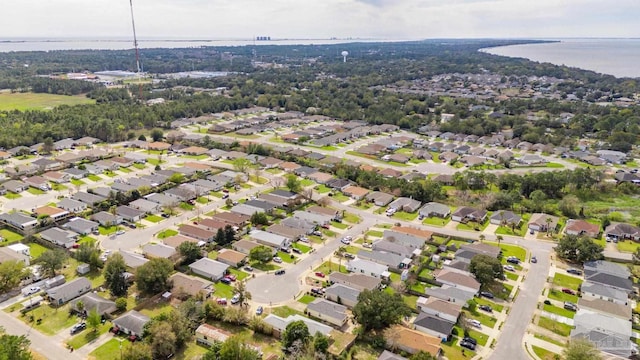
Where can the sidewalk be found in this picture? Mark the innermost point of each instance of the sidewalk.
(529, 341)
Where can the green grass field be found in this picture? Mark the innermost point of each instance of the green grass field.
(167, 233)
(559, 311)
(554, 326)
(31, 101)
(567, 281)
(544, 354)
(560, 296)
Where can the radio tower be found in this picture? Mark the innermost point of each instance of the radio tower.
(135, 44)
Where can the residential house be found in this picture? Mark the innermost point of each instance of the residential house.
(279, 324)
(175, 240)
(320, 177)
(367, 267)
(7, 254)
(411, 342)
(464, 214)
(21, 170)
(146, 206)
(106, 219)
(409, 240)
(244, 246)
(605, 307)
(431, 209)
(44, 164)
(355, 192)
(68, 291)
(152, 250)
(581, 227)
(505, 218)
(269, 239)
(19, 221)
(81, 226)
(231, 257)
(330, 212)
(342, 294)
(183, 286)
(379, 198)
(433, 325)
(197, 232)
(595, 291)
(451, 294)
(608, 274)
(133, 260)
(38, 182)
(609, 334)
(457, 279)
(57, 177)
(327, 311)
(129, 214)
(390, 260)
(93, 302)
(210, 269)
(543, 222)
(388, 355)
(394, 248)
(60, 237)
(307, 227)
(312, 217)
(208, 335)
(439, 308)
(131, 323)
(621, 231)
(87, 198)
(531, 159)
(287, 231)
(405, 204)
(355, 280)
(15, 186)
(72, 206)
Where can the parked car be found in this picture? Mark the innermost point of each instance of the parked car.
(248, 268)
(225, 280)
(345, 241)
(231, 277)
(296, 250)
(235, 299)
(486, 308)
(486, 294)
(285, 250)
(468, 345)
(568, 291)
(96, 232)
(225, 196)
(574, 271)
(534, 259)
(570, 306)
(320, 274)
(470, 339)
(475, 323)
(279, 272)
(317, 233)
(120, 232)
(513, 260)
(222, 301)
(78, 327)
(259, 310)
(326, 226)
(166, 216)
(349, 255)
(509, 268)
(277, 260)
(32, 290)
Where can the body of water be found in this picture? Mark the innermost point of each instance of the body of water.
(7, 45)
(617, 57)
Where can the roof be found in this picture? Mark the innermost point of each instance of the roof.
(611, 280)
(176, 240)
(367, 266)
(268, 238)
(158, 250)
(343, 292)
(448, 293)
(93, 301)
(604, 291)
(388, 355)
(132, 320)
(245, 244)
(382, 257)
(425, 234)
(322, 210)
(509, 217)
(190, 285)
(605, 306)
(280, 323)
(49, 210)
(541, 219)
(480, 248)
(388, 246)
(581, 226)
(231, 256)
(443, 306)
(434, 323)
(607, 267)
(213, 333)
(284, 230)
(328, 308)
(413, 339)
(360, 281)
(67, 203)
(75, 286)
(457, 278)
(434, 208)
(208, 266)
(356, 191)
(589, 320)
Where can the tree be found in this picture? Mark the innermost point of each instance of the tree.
(162, 339)
(88, 252)
(295, 331)
(156, 134)
(244, 295)
(377, 310)
(568, 206)
(241, 165)
(581, 349)
(324, 201)
(486, 269)
(114, 279)
(261, 253)
(499, 238)
(14, 347)
(52, 260)
(578, 249)
(137, 351)
(236, 349)
(93, 320)
(189, 251)
(47, 145)
(259, 218)
(142, 138)
(177, 178)
(121, 304)
(11, 272)
(229, 234)
(421, 355)
(293, 183)
(152, 276)
(220, 238)
(320, 343)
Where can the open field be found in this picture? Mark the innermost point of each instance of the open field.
(31, 101)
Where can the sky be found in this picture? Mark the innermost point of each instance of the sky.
(321, 19)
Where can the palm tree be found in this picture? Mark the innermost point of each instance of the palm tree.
(482, 237)
(548, 221)
(499, 238)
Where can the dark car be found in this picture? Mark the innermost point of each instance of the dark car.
(486, 294)
(568, 291)
(547, 302)
(574, 271)
(165, 215)
(225, 280)
(486, 308)
(349, 256)
(470, 340)
(296, 250)
(279, 272)
(468, 345)
(570, 306)
(513, 260)
(534, 260)
(78, 327)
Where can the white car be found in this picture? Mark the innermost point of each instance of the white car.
(509, 268)
(32, 290)
(345, 241)
(277, 259)
(475, 323)
(120, 232)
(235, 299)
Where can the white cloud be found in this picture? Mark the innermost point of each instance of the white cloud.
(408, 19)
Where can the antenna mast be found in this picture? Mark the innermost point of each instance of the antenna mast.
(135, 44)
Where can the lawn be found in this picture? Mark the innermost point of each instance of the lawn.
(53, 319)
(304, 248)
(154, 218)
(306, 182)
(339, 225)
(288, 258)
(567, 281)
(107, 230)
(154, 162)
(158, 308)
(166, 233)
(139, 166)
(125, 170)
(339, 197)
(560, 296)
(240, 275)
(12, 196)
(109, 350)
(554, 326)
(10, 237)
(36, 250)
(306, 299)
(328, 267)
(94, 177)
(186, 206)
(284, 311)
(511, 250)
(264, 267)
(57, 187)
(88, 336)
(86, 239)
(627, 246)
(486, 320)
(435, 221)
(40, 101)
(544, 354)
(494, 306)
(322, 189)
(35, 191)
(559, 311)
(511, 275)
(375, 233)
(405, 216)
(77, 182)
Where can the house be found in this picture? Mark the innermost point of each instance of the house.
(158, 146)
(379, 198)
(320, 177)
(369, 268)
(210, 269)
(7, 254)
(543, 222)
(231, 257)
(331, 212)
(356, 281)
(287, 231)
(581, 227)
(387, 259)
(81, 226)
(462, 281)
(162, 199)
(621, 231)
(531, 159)
(56, 214)
(19, 221)
(269, 239)
(609, 334)
(312, 217)
(464, 214)
(60, 237)
(183, 286)
(129, 214)
(440, 308)
(57, 177)
(175, 240)
(15, 186)
(431, 209)
(152, 250)
(605, 307)
(69, 291)
(307, 227)
(21, 170)
(355, 192)
(409, 240)
(405, 204)
(506, 218)
(208, 335)
(433, 325)
(93, 302)
(388, 355)
(244, 246)
(106, 219)
(342, 294)
(131, 323)
(87, 198)
(327, 311)
(393, 248)
(279, 324)
(72, 206)
(146, 206)
(608, 274)
(197, 232)
(595, 291)
(410, 341)
(44, 164)
(133, 260)
(451, 294)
